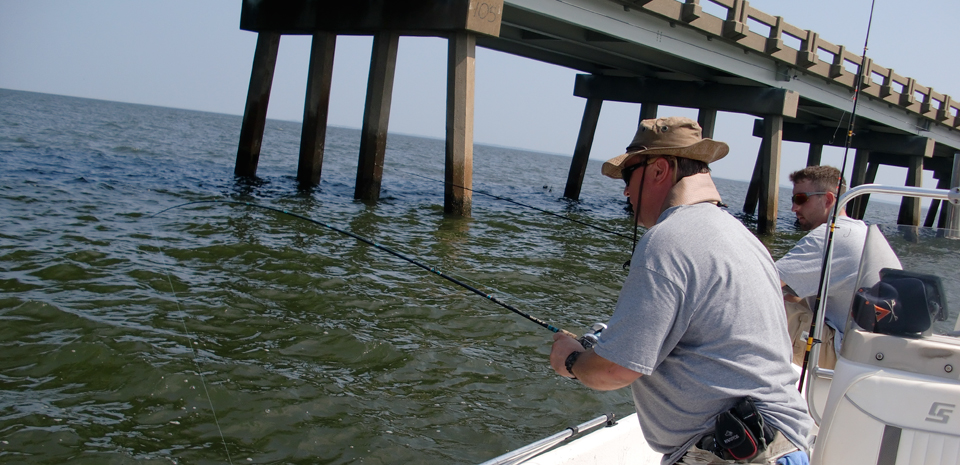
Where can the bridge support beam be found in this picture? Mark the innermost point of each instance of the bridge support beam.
(769, 161)
(315, 109)
(461, 53)
(910, 206)
(870, 178)
(861, 161)
(258, 97)
(376, 116)
(648, 111)
(765, 182)
(814, 154)
(588, 128)
(943, 182)
(714, 96)
(873, 141)
(581, 153)
(952, 222)
(753, 190)
(707, 119)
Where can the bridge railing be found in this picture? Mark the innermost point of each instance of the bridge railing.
(805, 51)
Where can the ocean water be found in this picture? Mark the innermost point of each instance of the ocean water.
(219, 333)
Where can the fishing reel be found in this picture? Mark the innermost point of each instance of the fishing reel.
(589, 340)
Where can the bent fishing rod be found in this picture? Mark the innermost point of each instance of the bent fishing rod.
(828, 245)
(384, 248)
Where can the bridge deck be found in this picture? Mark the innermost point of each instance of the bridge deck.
(674, 40)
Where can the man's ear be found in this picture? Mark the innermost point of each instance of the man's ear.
(661, 169)
(829, 200)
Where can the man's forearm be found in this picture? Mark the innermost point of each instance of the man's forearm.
(601, 374)
(591, 369)
(789, 295)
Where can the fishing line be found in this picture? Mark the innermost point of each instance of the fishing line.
(506, 199)
(828, 245)
(636, 211)
(431, 269)
(191, 343)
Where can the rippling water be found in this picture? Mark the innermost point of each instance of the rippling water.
(218, 333)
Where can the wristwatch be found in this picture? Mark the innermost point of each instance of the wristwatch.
(571, 359)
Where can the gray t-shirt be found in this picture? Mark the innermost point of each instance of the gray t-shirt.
(701, 317)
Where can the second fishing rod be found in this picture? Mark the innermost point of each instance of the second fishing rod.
(587, 340)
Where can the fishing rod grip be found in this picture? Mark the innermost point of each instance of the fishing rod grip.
(568, 333)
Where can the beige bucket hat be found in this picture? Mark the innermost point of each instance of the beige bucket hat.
(675, 135)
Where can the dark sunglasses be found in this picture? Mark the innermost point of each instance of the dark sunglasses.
(627, 173)
(802, 197)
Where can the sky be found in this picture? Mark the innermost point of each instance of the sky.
(192, 54)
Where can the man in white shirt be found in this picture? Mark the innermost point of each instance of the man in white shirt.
(814, 196)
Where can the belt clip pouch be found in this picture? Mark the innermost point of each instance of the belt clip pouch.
(734, 438)
(747, 412)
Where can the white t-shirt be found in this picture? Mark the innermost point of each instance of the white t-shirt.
(800, 268)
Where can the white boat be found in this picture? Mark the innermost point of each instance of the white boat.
(892, 399)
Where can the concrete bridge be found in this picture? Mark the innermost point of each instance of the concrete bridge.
(648, 52)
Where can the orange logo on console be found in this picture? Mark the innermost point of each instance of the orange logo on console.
(881, 312)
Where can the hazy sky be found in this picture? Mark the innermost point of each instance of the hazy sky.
(191, 54)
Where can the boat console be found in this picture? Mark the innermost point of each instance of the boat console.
(894, 395)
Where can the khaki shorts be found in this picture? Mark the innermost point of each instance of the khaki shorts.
(778, 448)
(799, 317)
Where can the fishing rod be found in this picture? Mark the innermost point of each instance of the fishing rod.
(506, 199)
(828, 245)
(399, 255)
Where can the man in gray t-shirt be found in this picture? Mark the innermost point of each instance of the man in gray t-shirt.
(699, 324)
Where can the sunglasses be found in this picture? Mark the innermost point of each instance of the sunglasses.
(802, 197)
(627, 173)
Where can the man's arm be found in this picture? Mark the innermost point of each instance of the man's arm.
(789, 294)
(591, 369)
(800, 268)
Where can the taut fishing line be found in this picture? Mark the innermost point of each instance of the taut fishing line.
(190, 342)
(506, 199)
(828, 245)
(384, 248)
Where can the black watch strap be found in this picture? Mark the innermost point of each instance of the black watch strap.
(571, 359)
